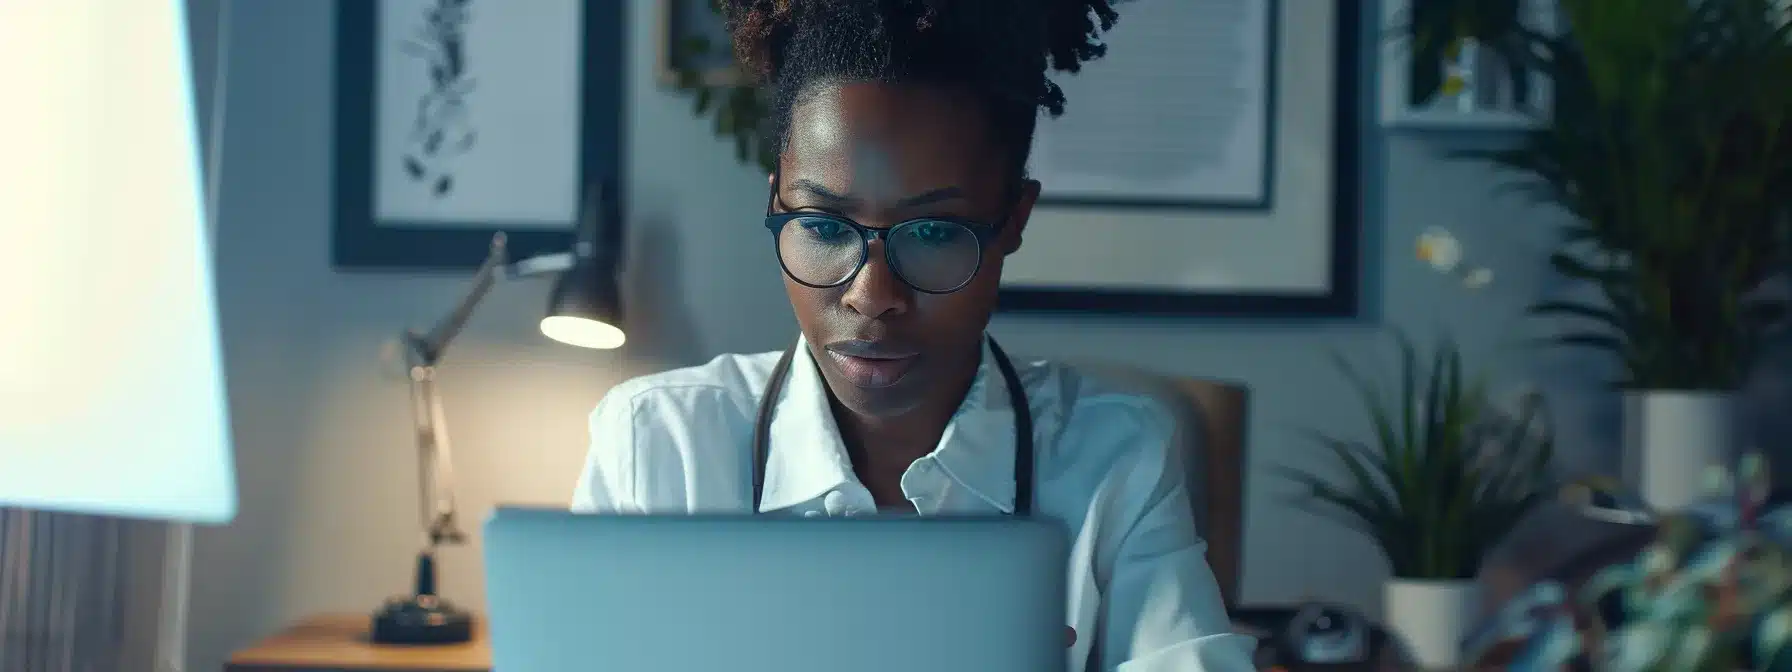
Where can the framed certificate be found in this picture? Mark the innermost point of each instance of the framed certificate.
(1208, 165)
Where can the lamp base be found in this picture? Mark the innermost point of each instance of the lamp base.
(421, 620)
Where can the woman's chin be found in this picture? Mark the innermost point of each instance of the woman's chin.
(894, 399)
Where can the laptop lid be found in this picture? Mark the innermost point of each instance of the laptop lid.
(765, 593)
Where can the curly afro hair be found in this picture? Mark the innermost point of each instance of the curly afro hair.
(998, 51)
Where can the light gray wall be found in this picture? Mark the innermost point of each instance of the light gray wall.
(327, 466)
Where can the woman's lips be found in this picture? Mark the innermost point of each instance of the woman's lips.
(870, 372)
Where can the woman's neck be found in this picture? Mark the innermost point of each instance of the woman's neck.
(892, 441)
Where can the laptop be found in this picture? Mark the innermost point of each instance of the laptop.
(570, 591)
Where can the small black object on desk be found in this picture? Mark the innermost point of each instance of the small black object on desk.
(1312, 636)
(421, 618)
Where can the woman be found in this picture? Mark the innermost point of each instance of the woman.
(904, 128)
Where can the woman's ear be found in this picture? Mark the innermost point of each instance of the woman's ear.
(1018, 215)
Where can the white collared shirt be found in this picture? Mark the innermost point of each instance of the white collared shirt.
(681, 442)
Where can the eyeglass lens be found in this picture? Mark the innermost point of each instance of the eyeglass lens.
(929, 255)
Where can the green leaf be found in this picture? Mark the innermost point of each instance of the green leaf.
(1580, 310)
(1388, 440)
(1577, 269)
(1319, 491)
(1596, 341)
(1369, 477)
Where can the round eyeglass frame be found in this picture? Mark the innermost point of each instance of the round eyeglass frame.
(775, 223)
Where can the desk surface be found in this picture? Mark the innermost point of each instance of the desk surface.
(339, 642)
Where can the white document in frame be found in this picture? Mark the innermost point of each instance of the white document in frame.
(1177, 111)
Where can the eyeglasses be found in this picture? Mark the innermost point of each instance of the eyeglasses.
(933, 255)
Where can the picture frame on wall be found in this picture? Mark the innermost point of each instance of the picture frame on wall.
(693, 37)
(1180, 116)
(460, 119)
(1227, 184)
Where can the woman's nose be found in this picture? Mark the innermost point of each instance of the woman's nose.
(876, 291)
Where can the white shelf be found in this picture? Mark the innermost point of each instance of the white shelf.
(1494, 114)
(1438, 119)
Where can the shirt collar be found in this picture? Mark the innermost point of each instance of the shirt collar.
(808, 459)
(806, 456)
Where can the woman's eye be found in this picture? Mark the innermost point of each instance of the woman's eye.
(822, 229)
(934, 232)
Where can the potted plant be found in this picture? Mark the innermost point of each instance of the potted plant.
(1670, 145)
(1444, 477)
(738, 107)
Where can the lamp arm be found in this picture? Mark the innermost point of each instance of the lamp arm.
(543, 264)
(427, 348)
(436, 464)
(436, 505)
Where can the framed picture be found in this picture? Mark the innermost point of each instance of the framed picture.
(1208, 165)
(458, 119)
(693, 38)
(1150, 130)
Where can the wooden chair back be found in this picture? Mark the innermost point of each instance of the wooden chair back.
(1211, 419)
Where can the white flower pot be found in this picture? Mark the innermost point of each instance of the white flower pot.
(1671, 437)
(1431, 617)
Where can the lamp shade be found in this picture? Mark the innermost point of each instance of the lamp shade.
(585, 308)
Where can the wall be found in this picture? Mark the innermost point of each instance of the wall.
(327, 464)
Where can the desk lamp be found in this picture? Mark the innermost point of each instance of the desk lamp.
(584, 309)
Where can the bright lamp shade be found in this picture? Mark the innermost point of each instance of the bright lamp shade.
(585, 308)
(111, 384)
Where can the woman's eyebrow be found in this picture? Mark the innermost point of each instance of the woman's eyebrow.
(828, 198)
(931, 196)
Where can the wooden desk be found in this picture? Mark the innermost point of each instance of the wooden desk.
(338, 643)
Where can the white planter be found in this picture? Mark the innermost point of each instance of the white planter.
(1431, 617)
(1671, 437)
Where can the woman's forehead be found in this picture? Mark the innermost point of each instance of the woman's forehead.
(882, 142)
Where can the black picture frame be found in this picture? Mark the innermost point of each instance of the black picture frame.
(683, 20)
(360, 243)
(1341, 300)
